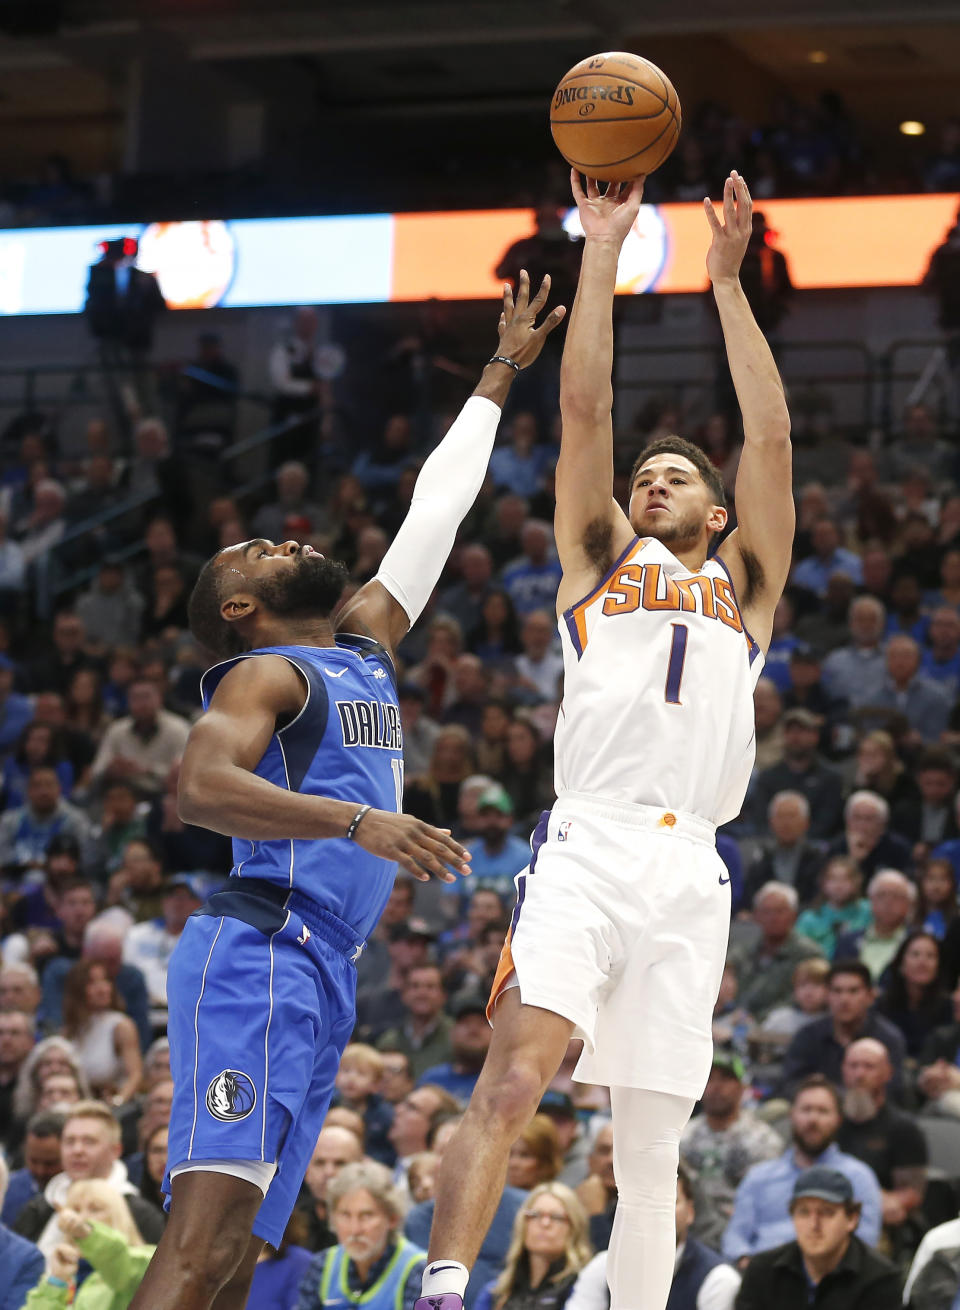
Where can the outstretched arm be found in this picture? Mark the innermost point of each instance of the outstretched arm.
(758, 553)
(589, 527)
(449, 480)
(219, 790)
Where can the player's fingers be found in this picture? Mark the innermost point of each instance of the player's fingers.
(507, 302)
(553, 319)
(576, 186)
(711, 214)
(409, 863)
(593, 189)
(540, 299)
(444, 856)
(434, 864)
(729, 203)
(523, 290)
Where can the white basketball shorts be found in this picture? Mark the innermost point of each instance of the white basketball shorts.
(621, 926)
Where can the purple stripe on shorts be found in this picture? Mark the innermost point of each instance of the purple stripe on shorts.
(536, 841)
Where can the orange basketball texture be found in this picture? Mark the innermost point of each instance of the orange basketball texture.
(615, 116)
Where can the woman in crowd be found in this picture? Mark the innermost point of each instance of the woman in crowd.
(496, 638)
(914, 998)
(372, 1262)
(937, 899)
(84, 708)
(154, 1165)
(435, 795)
(548, 1249)
(52, 1056)
(526, 774)
(39, 744)
(101, 1231)
(876, 767)
(535, 1156)
(105, 1038)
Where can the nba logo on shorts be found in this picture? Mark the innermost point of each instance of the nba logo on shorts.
(563, 831)
(231, 1096)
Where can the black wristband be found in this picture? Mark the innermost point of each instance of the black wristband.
(355, 822)
(502, 359)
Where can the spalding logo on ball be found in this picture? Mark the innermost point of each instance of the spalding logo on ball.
(615, 116)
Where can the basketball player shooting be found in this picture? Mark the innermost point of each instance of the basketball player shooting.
(621, 922)
(299, 758)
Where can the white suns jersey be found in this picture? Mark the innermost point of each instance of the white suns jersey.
(659, 673)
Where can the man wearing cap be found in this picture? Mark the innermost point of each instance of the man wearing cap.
(826, 1265)
(469, 1043)
(801, 769)
(761, 1210)
(497, 855)
(722, 1142)
(423, 1035)
(380, 999)
(148, 946)
(559, 1109)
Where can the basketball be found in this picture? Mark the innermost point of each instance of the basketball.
(615, 116)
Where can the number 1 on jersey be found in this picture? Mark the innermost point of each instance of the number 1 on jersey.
(678, 651)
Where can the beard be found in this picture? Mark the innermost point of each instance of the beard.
(859, 1105)
(681, 531)
(309, 589)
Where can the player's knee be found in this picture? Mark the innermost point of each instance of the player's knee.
(648, 1171)
(207, 1265)
(509, 1100)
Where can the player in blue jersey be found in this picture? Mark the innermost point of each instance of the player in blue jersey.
(299, 758)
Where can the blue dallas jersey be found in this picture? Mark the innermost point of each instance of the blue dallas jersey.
(346, 743)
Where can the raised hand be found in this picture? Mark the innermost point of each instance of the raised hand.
(520, 339)
(730, 237)
(610, 214)
(64, 1260)
(73, 1224)
(416, 846)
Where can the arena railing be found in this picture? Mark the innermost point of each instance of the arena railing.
(695, 377)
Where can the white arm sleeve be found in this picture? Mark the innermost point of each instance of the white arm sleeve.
(445, 490)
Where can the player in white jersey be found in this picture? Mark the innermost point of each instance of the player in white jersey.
(620, 928)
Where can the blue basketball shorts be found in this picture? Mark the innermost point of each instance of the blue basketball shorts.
(258, 1022)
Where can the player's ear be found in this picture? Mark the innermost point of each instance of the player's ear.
(718, 519)
(239, 606)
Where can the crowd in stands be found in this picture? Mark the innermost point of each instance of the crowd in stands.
(800, 148)
(825, 1151)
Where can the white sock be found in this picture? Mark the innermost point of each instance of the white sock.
(442, 1277)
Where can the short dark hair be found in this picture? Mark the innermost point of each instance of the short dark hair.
(709, 474)
(203, 613)
(936, 757)
(818, 1082)
(855, 967)
(685, 1181)
(45, 1123)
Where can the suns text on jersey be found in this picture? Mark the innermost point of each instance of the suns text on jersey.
(648, 587)
(370, 723)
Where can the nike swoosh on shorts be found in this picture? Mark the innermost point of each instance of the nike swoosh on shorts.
(724, 881)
